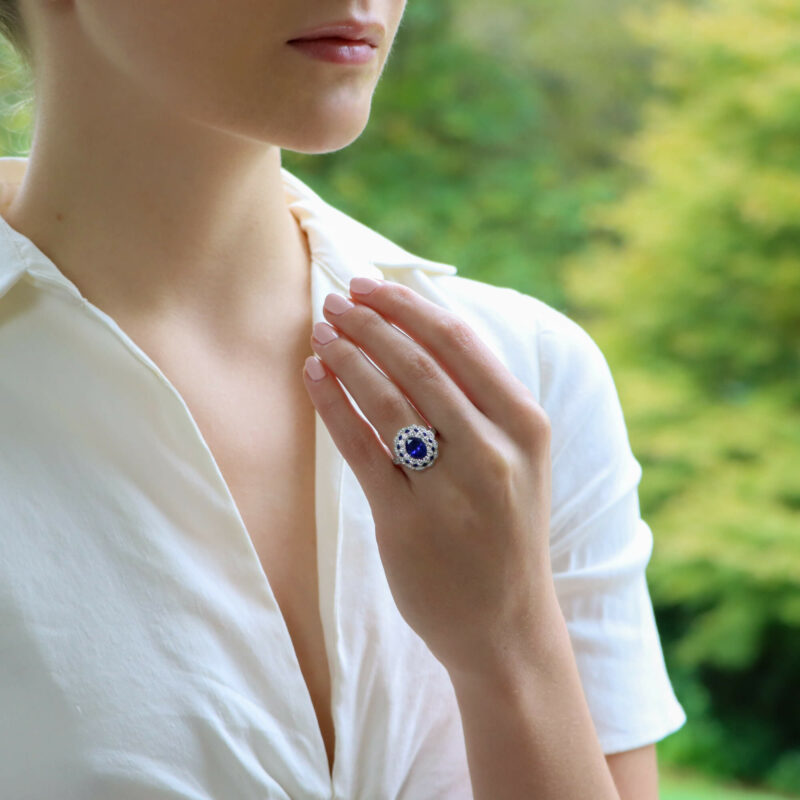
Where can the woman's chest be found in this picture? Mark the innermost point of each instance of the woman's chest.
(262, 436)
(137, 626)
(140, 644)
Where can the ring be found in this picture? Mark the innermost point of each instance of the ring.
(415, 447)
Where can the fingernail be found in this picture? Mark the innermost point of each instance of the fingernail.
(314, 368)
(337, 303)
(324, 333)
(363, 285)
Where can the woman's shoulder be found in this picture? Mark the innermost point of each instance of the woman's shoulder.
(542, 345)
(537, 341)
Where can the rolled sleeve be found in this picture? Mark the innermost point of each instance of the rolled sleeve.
(600, 546)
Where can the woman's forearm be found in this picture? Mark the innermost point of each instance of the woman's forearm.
(528, 730)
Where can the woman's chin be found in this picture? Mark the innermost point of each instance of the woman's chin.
(327, 137)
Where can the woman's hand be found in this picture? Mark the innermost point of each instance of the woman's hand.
(465, 542)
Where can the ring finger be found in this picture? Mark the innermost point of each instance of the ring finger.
(384, 405)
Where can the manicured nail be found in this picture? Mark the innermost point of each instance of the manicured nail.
(363, 285)
(337, 303)
(314, 368)
(324, 333)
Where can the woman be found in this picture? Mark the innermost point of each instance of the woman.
(227, 577)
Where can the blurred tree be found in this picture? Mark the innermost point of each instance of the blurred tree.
(694, 293)
(592, 69)
(478, 155)
(16, 106)
(455, 163)
(704, 254)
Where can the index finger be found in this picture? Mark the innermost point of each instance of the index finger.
(478, 372)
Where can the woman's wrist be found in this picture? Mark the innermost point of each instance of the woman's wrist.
(536, 646)
(526, 722)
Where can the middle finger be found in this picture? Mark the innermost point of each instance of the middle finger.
(415, 375)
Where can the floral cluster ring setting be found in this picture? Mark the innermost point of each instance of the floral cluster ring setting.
(415, 447)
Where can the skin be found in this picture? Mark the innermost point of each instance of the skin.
(156, 148)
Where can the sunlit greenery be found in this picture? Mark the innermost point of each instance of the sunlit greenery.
(692, 288)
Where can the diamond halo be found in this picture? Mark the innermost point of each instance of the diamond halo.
(415, 447)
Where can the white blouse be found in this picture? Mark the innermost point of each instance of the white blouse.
(143, 655)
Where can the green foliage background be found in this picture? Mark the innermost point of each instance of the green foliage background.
(636, 164)
(692, 287)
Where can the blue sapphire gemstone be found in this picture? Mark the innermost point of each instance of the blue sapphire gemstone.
(415, 447)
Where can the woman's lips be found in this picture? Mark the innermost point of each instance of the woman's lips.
(336, 49)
